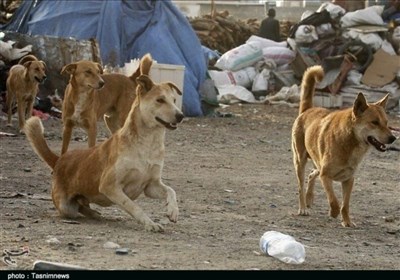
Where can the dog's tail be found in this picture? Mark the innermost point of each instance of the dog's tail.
(313, 75)
(144, 67)
(34, 132)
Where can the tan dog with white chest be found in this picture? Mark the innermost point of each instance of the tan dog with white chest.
(336, 142)
(118, 170)
(23, 85)
(90, 95)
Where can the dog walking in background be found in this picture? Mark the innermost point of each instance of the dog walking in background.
(90, 95)
(336, 142)
(118, 170)
(23, 86)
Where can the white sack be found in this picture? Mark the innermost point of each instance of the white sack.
(367, 16)
(240, 57)
(243, 77)
(266, 42)
(280, 55)
(305, 34)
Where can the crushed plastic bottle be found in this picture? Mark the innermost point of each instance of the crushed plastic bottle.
(283, 247)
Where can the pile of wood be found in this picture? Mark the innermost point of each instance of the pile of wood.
(222, 32)
(7, 8)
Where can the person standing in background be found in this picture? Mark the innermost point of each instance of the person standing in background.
(391, 11)
(269, 28)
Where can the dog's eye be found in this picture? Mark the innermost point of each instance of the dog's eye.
(375, 122)
(174, 100)
(88, 72)
(160, 100)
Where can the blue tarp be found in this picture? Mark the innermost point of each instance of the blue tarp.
(124, 30)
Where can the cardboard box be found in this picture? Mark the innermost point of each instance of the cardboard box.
(382, 70)
(169, 73)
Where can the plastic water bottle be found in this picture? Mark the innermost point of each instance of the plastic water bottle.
(283, 247)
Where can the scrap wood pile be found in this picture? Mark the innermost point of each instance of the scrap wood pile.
(7, 8)
(222, 32)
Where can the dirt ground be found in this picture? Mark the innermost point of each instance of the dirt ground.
(234, 180)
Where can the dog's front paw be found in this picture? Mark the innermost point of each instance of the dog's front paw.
(172, 213)
(153, 227)
(348, 224)
(302, 212)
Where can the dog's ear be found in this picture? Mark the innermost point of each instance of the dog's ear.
(27, 64)
(360, 105)
(100, 68)
(145, 82)
(69, 69)
(44, 64)
(383, 101)
(172, 85)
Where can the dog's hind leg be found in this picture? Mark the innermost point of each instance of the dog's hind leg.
(117, 196)
(159, 190)
(84, 209)
(300, 161)
(347, 187)
(310, 187)
(9, 103)
(67, 208)
(332, 200)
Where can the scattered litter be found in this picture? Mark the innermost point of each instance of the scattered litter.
(7, 254)
(53, 241)
(70, 222)
(111, 245)
(122, 251)
(45, 265)
(7, 134)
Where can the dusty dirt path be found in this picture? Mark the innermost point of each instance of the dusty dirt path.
(234, 180)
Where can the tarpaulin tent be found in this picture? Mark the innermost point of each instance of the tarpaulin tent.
(124, 30)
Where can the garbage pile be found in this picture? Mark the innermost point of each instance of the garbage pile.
(358, 50)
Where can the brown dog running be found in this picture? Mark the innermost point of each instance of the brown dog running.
(118, 170)
(90, 95)
(336, 142)
(23, 85)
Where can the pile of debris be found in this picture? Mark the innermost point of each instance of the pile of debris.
(358, 50)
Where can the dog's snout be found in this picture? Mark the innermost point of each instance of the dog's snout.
(44, 77)
(179, 117)
(101, 83)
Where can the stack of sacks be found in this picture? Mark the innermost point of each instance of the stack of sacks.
(368, 16)
(238, 66)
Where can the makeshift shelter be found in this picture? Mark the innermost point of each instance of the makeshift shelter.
(124, 30)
